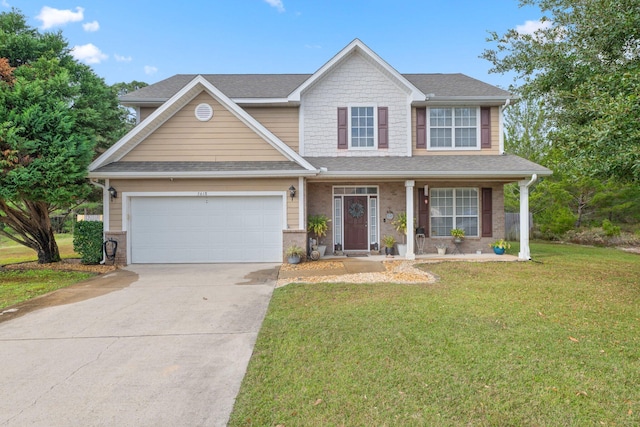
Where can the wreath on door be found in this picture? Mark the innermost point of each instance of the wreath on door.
(356, 210)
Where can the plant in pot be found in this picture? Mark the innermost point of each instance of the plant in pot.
(400, 223)
(318, 225)
(441, 247)
(294, 254)
(457, 234)
(388, 242)
(500, 246)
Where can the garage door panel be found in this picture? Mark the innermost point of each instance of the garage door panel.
(206, 229)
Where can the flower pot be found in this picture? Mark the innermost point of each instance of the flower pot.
(388, 251)
(322, 249)
(402, 249)
(295, 259)
(442, 251)
(498, 251)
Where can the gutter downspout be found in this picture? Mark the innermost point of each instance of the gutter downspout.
(105, 211)
(501, 126)
(525, 253)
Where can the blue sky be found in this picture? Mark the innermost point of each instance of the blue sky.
(149, 40)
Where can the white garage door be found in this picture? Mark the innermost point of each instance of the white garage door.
(206, 229)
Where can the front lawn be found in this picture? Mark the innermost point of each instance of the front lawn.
(18, 286)
(551, 343)
(12, 252)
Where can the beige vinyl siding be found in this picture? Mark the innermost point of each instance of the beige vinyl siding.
(495, 141)
(195, 185)
(223, 138)
(282, 122)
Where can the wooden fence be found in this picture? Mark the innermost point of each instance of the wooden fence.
(512, 225)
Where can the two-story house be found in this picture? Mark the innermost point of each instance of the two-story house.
(226, 168)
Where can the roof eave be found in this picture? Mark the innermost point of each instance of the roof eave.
(201, 174)
(502, 175)
(463, 100)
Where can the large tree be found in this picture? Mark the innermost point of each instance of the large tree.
(54, 112)
(584, 63)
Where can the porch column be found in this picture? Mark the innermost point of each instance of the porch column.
(525, 253)
(410, 229)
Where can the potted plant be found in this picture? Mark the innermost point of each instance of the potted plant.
(294, 254)
(400, 223)
(457, 234)
(388, 242)
(441, 247)
(318, 225)
(500, 246)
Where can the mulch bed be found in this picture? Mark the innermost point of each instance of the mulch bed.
(64, 265)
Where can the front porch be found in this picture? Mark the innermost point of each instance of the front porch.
(362, 214)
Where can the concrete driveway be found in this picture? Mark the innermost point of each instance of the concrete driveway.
(171, 349)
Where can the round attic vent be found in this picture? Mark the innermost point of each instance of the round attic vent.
(204, 112)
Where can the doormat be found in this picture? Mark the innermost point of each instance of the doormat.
(355, 255)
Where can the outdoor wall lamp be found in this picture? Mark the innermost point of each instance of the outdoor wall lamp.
(113, 193)
(292, 192)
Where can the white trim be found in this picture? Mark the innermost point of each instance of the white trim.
(409, 186)
(169, 108)
(302, 202)
(126, 204)
(357, 45)
(478, 146)
(409, 128)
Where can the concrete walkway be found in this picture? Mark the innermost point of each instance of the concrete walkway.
(171, 349)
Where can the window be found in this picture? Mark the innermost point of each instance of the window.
(454, 208)
(453, 128)
(362, 127)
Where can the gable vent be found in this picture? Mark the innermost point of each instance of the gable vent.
(204, 112)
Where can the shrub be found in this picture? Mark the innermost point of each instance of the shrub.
(87, 241)
(609, 229)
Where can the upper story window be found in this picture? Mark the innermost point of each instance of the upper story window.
(453, 128)
(362, 127)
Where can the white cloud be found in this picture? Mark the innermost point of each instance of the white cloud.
(530, 27)
(277, 4)
(120, 58)
(150, 70)
(91, 26)
(89, 54)
(5, 3)
(51, 17)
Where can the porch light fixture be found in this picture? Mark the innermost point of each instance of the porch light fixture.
(113, 193)
(292, 192)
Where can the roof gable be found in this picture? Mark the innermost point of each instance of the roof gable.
(176, 103)
(356, 46)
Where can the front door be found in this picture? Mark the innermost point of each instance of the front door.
(355, 223)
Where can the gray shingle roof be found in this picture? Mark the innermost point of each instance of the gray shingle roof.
(159, 167)
(445, 166)
(442, 165)
(281, 85)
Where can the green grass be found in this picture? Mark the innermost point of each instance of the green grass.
(555, 343)
(12, 252)
(19, 286)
